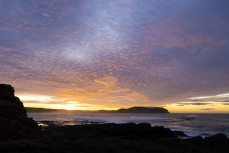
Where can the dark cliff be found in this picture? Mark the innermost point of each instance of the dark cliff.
(14, 121)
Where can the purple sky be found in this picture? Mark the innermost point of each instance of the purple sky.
(116, 52)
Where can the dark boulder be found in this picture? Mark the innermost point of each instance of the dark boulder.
(218, 138)
(130, 130)
(6, 91)
(195, 140)
(14, 121)
(179, 134)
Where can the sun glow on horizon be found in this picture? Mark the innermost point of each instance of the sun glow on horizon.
(52, 102)
(38, 97)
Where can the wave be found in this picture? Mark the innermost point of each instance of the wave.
(203, 125)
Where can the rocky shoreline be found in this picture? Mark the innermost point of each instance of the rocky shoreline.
(113, 138)
(19, 133)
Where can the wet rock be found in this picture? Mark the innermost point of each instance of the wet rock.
(14, 121)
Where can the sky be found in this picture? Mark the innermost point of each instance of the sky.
(105, 54)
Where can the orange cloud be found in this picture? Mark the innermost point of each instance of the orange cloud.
(103, 93)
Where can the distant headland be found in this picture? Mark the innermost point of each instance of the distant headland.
(122, 110)
(138, 110)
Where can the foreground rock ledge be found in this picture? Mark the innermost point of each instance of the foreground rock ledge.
(115, 138)
(14, 122)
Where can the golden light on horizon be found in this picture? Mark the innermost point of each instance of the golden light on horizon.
(52, 102)
(38, 97)
(213, 107)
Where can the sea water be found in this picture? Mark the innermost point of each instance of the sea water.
(202, 125)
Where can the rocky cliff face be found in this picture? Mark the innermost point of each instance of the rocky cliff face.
(14, 121)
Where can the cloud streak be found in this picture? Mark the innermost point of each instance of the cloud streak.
(116, 53)
(226, 95)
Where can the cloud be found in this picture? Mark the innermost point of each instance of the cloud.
(107, 91)
(101, 93)
(207, 109)
(193, 103)
(116, 53)
(45, 101)
(39, 98)
(226, 95)
(223, 101)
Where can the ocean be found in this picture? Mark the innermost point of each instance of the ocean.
(201, 125)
